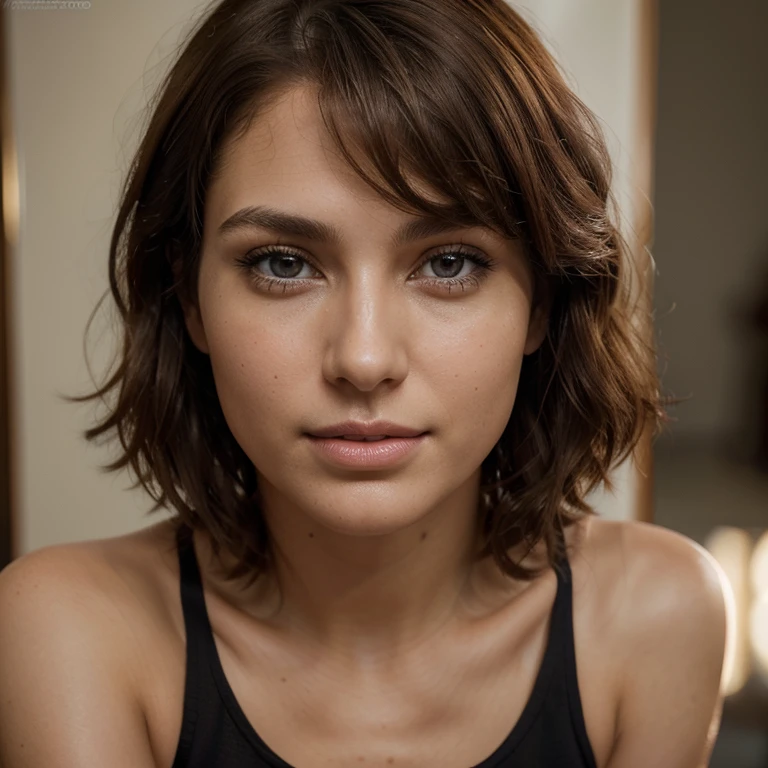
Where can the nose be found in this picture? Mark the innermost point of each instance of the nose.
(367, 335)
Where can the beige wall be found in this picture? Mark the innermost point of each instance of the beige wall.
(79, 82)
(597, 43)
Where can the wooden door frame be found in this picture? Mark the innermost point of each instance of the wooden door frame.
(8, 229)
(644, 147)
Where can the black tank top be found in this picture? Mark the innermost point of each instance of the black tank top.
(215, 732)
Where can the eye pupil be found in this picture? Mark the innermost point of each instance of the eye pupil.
(294, 267)
(452, 260)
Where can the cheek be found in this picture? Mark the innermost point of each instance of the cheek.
(258, 372)
(481, 370)
(474, 379)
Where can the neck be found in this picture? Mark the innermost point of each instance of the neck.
(368, 597)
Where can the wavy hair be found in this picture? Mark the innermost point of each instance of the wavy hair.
(460, 94)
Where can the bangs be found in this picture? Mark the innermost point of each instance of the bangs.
(413, 122)
(417, 163)
(415, 115)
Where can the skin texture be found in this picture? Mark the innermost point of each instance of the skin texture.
(388, 645)
(365, 339)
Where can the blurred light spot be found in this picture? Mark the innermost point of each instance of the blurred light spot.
(10, 179)
(732, 549)
(759, 619)
(759, 631)
(760, 566)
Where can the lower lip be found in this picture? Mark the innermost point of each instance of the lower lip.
(378, 454)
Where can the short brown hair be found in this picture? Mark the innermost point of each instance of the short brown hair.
(460, 94)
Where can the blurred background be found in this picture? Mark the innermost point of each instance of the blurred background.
(711, 300)
(681, 89)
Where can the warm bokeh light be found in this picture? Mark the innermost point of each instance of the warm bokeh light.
(732, 549)
(10, 179)
(759, 567)
(758, 631)
(758, 625)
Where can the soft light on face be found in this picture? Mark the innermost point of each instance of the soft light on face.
(362, 328)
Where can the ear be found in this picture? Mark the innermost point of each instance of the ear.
(192, 319)
(539, 318)
(195, 328)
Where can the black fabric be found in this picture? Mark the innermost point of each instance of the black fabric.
(215, 733)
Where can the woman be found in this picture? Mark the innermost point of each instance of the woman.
(382, 219)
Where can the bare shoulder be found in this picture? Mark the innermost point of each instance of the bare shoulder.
(110, 577)
(652, 582)
(657, 575)
(61, 580)
(663, 604)
(71, 641)
(646, 555)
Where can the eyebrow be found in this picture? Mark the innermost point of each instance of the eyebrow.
(284, 223)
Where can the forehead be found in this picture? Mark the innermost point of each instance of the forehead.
(288, 160)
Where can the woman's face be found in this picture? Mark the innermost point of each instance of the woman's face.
(362, 328)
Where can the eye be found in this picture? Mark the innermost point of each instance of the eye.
(452, 260)
(287, 265)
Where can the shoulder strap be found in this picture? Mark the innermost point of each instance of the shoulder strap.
(565, 640)
(200, 693)
(561, 627)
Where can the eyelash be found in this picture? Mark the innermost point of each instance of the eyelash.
(248, 262)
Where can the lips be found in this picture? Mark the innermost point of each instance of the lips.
(358, 430)
(366, 454)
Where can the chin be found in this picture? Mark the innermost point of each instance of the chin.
(367, 526)
(391, 518)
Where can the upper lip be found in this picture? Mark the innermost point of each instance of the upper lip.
(366, 429)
